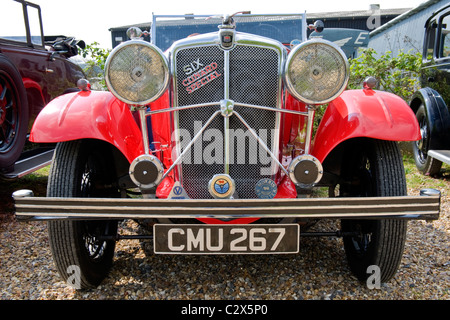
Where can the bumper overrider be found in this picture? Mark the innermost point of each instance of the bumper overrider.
(426, 206)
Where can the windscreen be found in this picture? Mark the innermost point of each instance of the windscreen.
(12, 23)
(283, 28)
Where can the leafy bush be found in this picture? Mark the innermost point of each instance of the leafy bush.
(398, 75)
(95, 58)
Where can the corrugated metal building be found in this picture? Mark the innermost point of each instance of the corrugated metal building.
(361, 19)
(405, 32)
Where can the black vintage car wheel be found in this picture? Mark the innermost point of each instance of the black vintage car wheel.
(426, 164)
(13, 114)
(377, 171)
(82, 169)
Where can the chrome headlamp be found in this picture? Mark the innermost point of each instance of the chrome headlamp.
(137, 72)
(317, 72)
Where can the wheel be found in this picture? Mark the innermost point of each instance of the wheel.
(377, 171)
(14, 114)
(427, 165)
(82, 169)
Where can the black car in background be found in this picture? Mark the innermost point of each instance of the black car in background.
(431, 103)
(34, 69)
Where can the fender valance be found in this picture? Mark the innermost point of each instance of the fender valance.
(364, 113)
(89, 115)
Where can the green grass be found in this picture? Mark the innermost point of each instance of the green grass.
(416, 180)
(37, 182)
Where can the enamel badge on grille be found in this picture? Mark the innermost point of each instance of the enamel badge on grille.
(200, 78)
(221, 186)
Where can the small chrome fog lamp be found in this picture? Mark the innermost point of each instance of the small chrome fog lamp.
(305, 170)
(137, 72)
(317, 72)
(146, 171)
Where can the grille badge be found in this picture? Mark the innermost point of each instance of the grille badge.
(221, 186)
(266, 188)
(226, 106)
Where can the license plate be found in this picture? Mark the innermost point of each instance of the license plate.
(226, 239)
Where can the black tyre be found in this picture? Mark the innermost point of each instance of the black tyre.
(14, 114)
(424, 163)
(377, 171)
(82, 169)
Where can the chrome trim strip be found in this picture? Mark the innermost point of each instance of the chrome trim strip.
(226, 120)
(144, 130)
(401, 207)
(309, 129)
(210, 104)
(188, 147)
(261, 143)
(299, 113)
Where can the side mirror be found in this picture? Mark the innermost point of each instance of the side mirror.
(318, 26)
(136, 33)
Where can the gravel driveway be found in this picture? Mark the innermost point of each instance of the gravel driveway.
(318, 272)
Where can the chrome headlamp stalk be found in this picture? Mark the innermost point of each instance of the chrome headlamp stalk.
(137, 73)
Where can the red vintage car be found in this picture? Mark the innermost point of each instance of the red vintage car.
(212, 146)
(33, 70)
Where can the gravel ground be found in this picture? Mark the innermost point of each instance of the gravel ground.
(318, 272)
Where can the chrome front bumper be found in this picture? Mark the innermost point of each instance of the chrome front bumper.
(423, 207)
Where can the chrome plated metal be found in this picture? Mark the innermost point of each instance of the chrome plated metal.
(146, 171)
(144, 129)
(214, 104)
(317, 72)
(309, 129)
(188, 147)
(136, 72)
(226, 118)
(402, 207)
(312, 170)
(188, 102)
(261, 142)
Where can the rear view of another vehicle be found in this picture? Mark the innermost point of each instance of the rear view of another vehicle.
(32, 72)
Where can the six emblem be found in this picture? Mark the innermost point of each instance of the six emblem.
(197, 77)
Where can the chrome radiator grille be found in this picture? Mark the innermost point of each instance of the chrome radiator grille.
(246, 74)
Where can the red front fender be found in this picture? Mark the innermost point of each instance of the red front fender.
(89, 115)
(364, 113)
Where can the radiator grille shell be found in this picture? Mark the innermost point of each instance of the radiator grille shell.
(250, 73)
